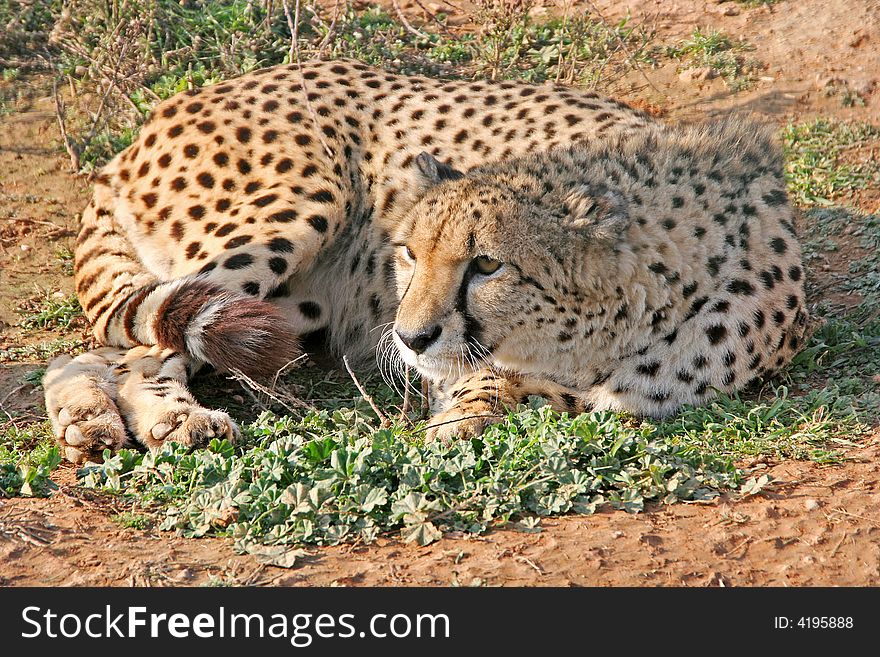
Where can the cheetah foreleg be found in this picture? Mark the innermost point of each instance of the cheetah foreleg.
(482, 398)
(158, 408)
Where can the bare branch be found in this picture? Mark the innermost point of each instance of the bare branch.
(406, 23)
(69, 146)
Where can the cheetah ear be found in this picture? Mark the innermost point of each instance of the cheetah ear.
(433, 171)
(600, 213)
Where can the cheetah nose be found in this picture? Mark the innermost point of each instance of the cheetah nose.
(418, 342)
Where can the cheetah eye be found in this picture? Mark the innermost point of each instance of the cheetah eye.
(486, 265)
(408, 254)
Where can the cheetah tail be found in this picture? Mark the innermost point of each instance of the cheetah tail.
(128, 306)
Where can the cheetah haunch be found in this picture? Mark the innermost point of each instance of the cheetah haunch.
(639, 271)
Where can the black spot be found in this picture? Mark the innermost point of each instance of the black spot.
(767, 279)
(689, 289)
(310, 309)
(318, 222)
(720, 307)
(649, 369)
(282, 217)
(716, 333)
(714, 263)
(729, 359)
(794, 273)
(281, 245)
(775, 197)
(236, 242)
(759, 318)
(243, 134)
(700, 362)
(205, 179)
(677, 202)
(239, 261)
(684, 377)
(697, 305)
(778, 244)
(190, 150)
(252, 288)
(779, 317)
(739, 286)
(265, 200)
(278, 265)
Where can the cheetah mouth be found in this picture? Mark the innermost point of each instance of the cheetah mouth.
(452, 363)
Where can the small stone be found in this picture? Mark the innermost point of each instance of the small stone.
(697, 74)
(863, 87)
(25, 248)
(811, 505)
(618, 534)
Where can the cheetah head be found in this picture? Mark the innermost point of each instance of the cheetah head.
(491, 266)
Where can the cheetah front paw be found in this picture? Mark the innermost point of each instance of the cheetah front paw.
(192, 426)
(459, 423)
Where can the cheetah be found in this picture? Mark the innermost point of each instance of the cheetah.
(256, 212)
(606, 263)
(639, 273)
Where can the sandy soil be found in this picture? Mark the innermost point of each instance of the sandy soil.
(817, 525)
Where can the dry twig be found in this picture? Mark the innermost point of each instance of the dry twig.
(69, 146)
(385, 422)
(409, 27)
